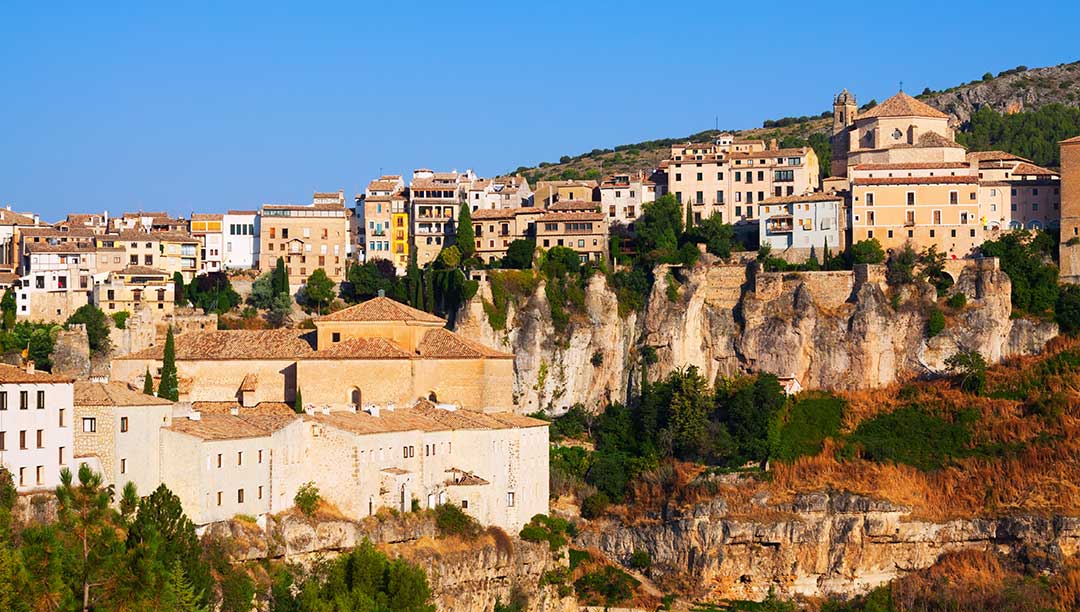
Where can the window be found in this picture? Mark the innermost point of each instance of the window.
(22, 440)
(869, 199)
(40, 473)
(24, 400)
(3, 440)
(335, 337)
(219, 460)
(260, 491)
(60, 455)
(239, 496)
(89, 425)
(3, 400)
(41, 438)
(239, 457)
(123, 466)
(123, 424)
(465, 504)
(260, 456)
(509, 499)
(219, 498)
(911, 198)
(954, 198)
(22, 477)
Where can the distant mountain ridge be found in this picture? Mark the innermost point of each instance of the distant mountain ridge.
(1010, 91)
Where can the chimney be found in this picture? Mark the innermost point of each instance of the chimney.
(373, 410)
(773, 146)
(382, 293)
(29, 366)
(235, 411)
(194, 415)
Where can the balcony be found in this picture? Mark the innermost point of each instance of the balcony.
(779, 225)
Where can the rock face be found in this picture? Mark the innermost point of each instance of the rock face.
(834, 330)
(1027, 90)
(826, 544)
(465, 576)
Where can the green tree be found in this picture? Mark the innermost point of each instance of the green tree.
(749, 410)
(867, 252)
(319, 289)
(689, 415)
(1067, 310)
(298, 403)
(466, 237)
(169, 386)
(180, 595)
(1027, 258)
(900, 269)
(97, 327)
(658, 230)
(262, 291)
(148, 383)
(280, 309)
(969, 371)
(414, 283)
(179, 293)
(89, 526)
(519, 255)
(365, 579)
(8, 306)
(717, 236)
(280, 277)
(213, 292)
(160, 521)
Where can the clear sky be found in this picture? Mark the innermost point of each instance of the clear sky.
(188, 106)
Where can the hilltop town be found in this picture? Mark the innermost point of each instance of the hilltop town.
(369, 350)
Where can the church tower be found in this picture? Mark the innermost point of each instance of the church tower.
(844, 109)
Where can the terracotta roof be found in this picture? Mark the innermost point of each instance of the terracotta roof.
(444, 344)
(229, 427)
(461, 478)
(913, 166)
(361, 348)
(206, 216)
(981, 156)
(260, 409)
(113, 394)
(141, 236)
(902, 105)
(569, 183)
(574, 206)
(423, 417)
(553, 217)
(382, 309)
(10, 217)
(336, 207)
(144, 271)
(15, 375)
(7, 278)
(505, 213)
(250, 383)
(1026, 169)
(933, 139)
(1073, 140)
(916, 180)
(235, 344)
(62, 247)
(808, 197)
(242, 212)
(799, 151)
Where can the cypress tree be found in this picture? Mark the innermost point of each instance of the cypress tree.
(429, 290)
(298, 403)
(148, 383)
(169, 387)
(466, 238)
(689, 216)
(281, 277)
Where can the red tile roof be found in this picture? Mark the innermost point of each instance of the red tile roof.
(902, 105)
(382, 309)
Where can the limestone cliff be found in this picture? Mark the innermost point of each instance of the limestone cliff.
(836, 330)
(818, 545)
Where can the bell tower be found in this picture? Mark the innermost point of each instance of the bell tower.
(844, 110)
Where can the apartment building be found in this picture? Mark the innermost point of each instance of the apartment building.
(208, 229)
(434, 199)
(1015, 193)
(623, 196)
(119, 433)
(729, 176)
(36, 439)
(382, 222)
(95, 223)
(57, 279)
(550, 192)
(496, 229)
(796, 225)
(12, 225)
(1070, 210)
(502, 192)
(307, 237)
(148, 222)
(922, 203)
(583, 231)
(240, 229)
(170, 251)
(134, 289)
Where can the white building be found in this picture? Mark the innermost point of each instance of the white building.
(57, 279)
(498, 193)
(623, 196)
(793, 225)
(208, 228)
(240, 233)
(35, 426)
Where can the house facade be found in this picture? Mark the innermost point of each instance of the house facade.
(307, 237)
(240, 230)
(794, 226)
(36, 439)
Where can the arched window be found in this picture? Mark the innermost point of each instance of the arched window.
(354, 398)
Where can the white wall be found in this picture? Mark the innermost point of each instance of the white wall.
(58, 397)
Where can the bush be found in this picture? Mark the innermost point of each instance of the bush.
(867, 252)
(544, 528)
(935, 323)
(307, 498)
(1067, 309)
(120, 318)
(641, 559)
(806, 426)
(913, 436)
(97, 328)
(957, 300)
(577, 557)
(608, 587)
(969, 371)
(519, 255)
(450, 520)
(595, 505)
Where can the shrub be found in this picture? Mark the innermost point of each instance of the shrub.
(640, 559)
(450, 520)
(1067, 309)
(969, 371)
(120, 318)
(957, 300)
(577, 557)
(595, 505)
(913, 436)
(414, 505)
(597, 359)
(608, 586)
(807, 424)
(935, 323)
(543, 528)
(307, 498)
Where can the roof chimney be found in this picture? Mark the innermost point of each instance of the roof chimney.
(29, 366)
(382, 293)
(194, 415)
(773, 146)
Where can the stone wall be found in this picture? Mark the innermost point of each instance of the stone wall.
(71, 353)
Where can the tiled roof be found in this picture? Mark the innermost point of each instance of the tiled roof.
(809, 197)
(505, 213)
(568, 183)
(242, 212)
(361, 348)
(553, 217)
(14, 375)
(902, 105)
(63, 247)
(382, 309)
(235, 344)
(144, 271)
(574, 206)
(1073, 140)
(229, 427)
(10, 217)
(461, 478)
(444, 344)
(1026, 169)
(981, 156)
(913, 166)
(798, 151)
(260, 409)
(250, 383)
(206, 216)
(141, 236)
(917, 180)
(933, 139)
(423, 417)
(7, 278)
(336, 207)
(113, 394)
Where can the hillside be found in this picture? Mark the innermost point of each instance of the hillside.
(1011, 91)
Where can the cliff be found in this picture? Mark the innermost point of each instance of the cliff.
(819, 544)
(464, 575)
(833, 330)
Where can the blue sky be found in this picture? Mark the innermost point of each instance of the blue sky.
(209, 106)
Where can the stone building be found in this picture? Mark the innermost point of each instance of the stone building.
(1070, 210)
(135, 289)
(794, 226)
(550, 192)
(119, 433)
(496, 193)
(1015, 193)
(307, 237)
(35, 426)
(583, 231)
(171, 251)
(379, 351)
(496, 229)
(434, 201)
(381, 222)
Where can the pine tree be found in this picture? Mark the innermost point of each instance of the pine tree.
(180, 596)
(148, 383)
(169, 387)
(466, 238)
(298, 403)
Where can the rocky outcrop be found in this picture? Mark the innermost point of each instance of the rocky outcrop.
(1021, 91)
(71, 352)
(820, 545)
(469, 576)
(835, 330)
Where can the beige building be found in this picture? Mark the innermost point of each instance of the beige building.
(550, 192)
(496, 193)
(584, 232)
(496, 229)
(1015, 193)
(136, 289)
(435, 199)
(209, 230)
(729, 176)
(623, 196)
(119, 433)
(382, 226)
(166, 250)
(379, 351)
(1070, 210)
(307, 237)
(148, 222)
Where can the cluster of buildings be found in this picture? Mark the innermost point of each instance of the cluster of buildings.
(396, 411)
